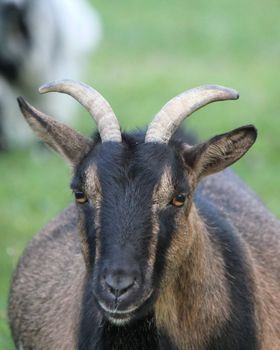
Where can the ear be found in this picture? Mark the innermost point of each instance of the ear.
(71, 145)
(220, 151)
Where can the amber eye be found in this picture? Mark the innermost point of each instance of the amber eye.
(178, 200)
(80, 197)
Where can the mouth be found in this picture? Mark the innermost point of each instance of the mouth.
(122, 317)
(116, 316)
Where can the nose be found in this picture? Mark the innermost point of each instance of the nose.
(119, 285)
(119, 282)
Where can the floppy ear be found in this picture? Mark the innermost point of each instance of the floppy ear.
(220, 151)
(70, 144)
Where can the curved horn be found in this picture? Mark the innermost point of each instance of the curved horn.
(94, 102)
(182, 106)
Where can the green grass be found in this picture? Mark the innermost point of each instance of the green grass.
(152, 50)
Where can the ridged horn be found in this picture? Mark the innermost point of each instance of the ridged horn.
(94, 102)
(168, 119)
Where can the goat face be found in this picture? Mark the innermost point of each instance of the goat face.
(134, 195)
(128, 219)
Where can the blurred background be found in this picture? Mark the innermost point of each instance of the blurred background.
(148, 52)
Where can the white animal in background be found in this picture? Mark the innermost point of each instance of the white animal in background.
(41, 40)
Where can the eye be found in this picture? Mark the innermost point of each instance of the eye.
(178, 200)
(80, 197)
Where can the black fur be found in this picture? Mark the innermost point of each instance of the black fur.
(98, 334)
(129, 173)
(240, 331)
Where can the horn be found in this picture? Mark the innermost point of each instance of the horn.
(168, 119)
(94, 102)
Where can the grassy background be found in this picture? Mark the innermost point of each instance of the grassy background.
(152, 50)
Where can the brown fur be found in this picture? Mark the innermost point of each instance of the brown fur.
(250, 217)
(195, 280)
(56, 297)
(159, 195)
(93, 188)
(219, 152)
(70, 144)
(194, 299)
(193, 287)
(193, 303)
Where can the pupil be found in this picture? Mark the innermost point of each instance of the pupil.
(180, 198)
(79, 195)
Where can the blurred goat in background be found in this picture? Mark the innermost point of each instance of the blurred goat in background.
(41, 41)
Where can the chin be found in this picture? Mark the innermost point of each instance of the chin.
(119, 321)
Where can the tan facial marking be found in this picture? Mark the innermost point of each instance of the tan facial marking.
(164, 189)
(93, 191)
(161, 192)
(195, 280)
(162, 196)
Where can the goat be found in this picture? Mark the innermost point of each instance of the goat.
(41, 40)
(155, 254)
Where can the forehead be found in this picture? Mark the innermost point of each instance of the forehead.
(120, 164)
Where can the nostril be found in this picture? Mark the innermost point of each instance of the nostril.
(118, 292)
(118, 285)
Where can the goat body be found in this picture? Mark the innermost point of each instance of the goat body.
(135, 264)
